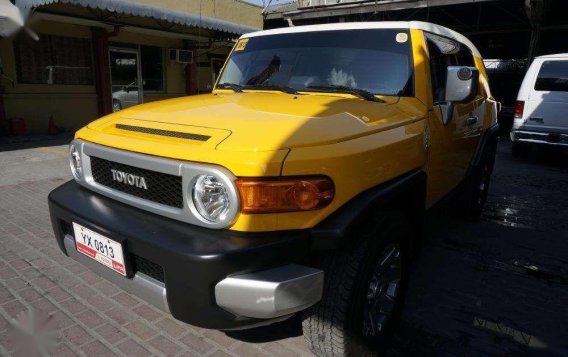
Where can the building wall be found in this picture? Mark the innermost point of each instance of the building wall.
(235, 11)
(37, 102)
(73, 106)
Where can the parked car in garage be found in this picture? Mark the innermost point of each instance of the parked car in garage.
(125, 97)
(541, 111)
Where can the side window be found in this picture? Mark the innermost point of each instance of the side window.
(439, 63)
(464, 57)
(445, 52)
(553, 77)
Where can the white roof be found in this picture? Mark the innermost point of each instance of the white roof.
(558, 55)
(403, 25)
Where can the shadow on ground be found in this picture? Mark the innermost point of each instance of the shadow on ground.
(11, 143)
(494, 287)
(278, 331)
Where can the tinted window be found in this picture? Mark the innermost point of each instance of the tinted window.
(378, 61)
(464, 57)
(553, 77)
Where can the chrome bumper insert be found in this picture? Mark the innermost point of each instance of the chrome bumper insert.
(143, 286)
(540, 137)
(270, 293)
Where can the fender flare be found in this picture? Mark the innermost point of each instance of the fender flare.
(489, 140)
(406, 192)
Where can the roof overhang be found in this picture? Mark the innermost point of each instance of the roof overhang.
(128, 13)
(365, 6)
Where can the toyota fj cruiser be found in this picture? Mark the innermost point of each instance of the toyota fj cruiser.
(300, 184)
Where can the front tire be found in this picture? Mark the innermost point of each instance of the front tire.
(364, 290)
(481, 178)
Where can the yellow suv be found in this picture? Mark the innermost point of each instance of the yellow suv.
(300, 184)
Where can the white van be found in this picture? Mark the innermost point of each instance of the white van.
(541, 112)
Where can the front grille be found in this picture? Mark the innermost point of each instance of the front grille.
(149, 268)
(159, 187)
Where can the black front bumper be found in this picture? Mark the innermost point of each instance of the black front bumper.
(190, 260)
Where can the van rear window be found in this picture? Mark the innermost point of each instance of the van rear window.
(553, 77)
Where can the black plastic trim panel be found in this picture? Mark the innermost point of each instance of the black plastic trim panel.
(194, 259)
(161, 132)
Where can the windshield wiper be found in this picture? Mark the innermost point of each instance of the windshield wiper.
(235, 87)
(284, 89)
(361, 93)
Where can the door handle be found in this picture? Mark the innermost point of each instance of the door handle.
(472, 120)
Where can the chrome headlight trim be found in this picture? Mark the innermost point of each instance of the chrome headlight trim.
(76, 161)
(232, 194)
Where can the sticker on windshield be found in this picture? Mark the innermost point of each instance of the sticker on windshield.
(242, 44)
(401, 37)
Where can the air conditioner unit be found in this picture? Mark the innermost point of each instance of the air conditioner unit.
(181, 56)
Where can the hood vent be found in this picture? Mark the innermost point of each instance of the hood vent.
(173, 134)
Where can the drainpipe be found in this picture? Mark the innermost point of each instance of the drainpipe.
(102, 69)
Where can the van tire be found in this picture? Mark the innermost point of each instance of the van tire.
(334, 326)
(520, 150)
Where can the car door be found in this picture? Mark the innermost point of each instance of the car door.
(453, 144)
(548, 99)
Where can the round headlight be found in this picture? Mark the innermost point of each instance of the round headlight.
(211, 198)
(75, 162)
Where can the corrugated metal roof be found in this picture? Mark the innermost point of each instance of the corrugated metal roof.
(145, 10)
(282, 7)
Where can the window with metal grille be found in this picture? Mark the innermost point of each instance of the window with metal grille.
(54, 60)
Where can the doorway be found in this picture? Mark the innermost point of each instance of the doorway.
(125, 78)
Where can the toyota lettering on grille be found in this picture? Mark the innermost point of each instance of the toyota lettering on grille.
(129, 179)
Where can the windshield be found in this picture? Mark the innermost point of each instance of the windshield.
(376, 60)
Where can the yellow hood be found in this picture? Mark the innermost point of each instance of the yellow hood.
(262, 121)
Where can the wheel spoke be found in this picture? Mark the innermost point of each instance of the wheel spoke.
(392, 289)
(382, 291)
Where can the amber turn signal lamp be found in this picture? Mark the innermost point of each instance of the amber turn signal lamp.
(284, 194)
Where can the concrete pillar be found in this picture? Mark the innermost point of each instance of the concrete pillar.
(535, 10)
(191, 77)
(102, 69)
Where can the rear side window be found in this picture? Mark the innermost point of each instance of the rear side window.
(553, 77)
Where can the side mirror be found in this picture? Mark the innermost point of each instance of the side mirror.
(126, 89)
(462, 84)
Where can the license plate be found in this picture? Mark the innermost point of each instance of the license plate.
(100, 248)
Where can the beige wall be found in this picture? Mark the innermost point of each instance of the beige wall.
(69, 104)
(73, 106)
(236, 11)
